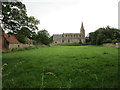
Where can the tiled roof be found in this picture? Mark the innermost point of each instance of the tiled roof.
(10, 38)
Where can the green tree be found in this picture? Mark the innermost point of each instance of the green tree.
(15, 17)
(104, 35)
(16, 21)
(51, 39)
(22, 34)
(21, 38)
(32, 23)
(43, 37)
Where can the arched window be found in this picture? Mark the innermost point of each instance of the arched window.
(68, 41)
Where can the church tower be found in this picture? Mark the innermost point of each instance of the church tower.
(82, 32)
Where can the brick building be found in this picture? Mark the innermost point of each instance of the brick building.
(9, 41)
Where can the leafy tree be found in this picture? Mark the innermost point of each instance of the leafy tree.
(21, 38)
(15, 17)
(32, 23)
(104, 35)
(22, 34)
(25, 31)
(16, 21)
(51, 39)
(43, 37)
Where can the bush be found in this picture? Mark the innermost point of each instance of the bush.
(114, 41)
(108, 41)
(34, 42)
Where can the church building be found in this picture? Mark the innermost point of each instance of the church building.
(69, 38)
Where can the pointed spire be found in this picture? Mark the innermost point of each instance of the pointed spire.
(82, 27)
(82, 32)
(82, 24)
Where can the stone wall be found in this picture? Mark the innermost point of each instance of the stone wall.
(12, 46)
(118, 45)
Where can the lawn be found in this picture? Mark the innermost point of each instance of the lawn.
(61, 67)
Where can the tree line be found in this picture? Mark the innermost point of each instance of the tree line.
(16, 21)
(103, 35)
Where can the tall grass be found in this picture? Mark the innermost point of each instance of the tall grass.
(61, 67)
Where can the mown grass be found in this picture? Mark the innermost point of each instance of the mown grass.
(61, 67)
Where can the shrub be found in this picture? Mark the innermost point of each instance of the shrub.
(108, 41)
(114, 41)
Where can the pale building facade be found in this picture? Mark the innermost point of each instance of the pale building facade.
(69, 38)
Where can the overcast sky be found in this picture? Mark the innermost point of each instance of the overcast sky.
(66, 16)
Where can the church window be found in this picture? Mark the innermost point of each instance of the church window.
(68, 40)
(62, 40)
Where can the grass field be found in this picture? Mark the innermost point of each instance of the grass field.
(61, 67)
